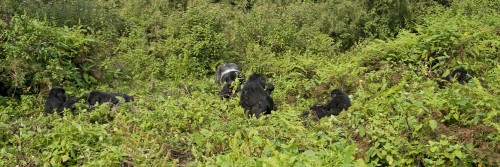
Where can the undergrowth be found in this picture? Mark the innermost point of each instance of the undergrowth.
(387, 55)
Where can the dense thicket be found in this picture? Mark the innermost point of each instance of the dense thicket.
(388, 55)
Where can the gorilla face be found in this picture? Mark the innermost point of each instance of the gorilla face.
(55, 100)
(255, 97)
(103, 97)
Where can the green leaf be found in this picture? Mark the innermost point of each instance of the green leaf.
(458, 154)
(65, 158)
(360, 163)
(390, 160)
(469, 146)
(434, 149)
(433, 124)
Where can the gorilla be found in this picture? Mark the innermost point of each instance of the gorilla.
(256, 96)
(70, 103)
(57, 100)
(227, 74)
(460, 74)
(339, 101)
(3, 89)
(103, 97)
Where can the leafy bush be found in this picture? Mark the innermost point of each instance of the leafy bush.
(387, 55)
(35, 54)
(96, 15)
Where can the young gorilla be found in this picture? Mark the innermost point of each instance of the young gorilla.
(57, 100)
(227, 74)
(70, 104)
(103, 97)
(256, 96)
(460, 74)
(340, 101)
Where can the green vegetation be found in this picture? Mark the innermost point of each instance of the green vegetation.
(387, 54)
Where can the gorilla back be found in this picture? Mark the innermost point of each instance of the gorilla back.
(227, 74)
(339, 101)
(224, 69)
(255, 97)
(460, 74)
(55, 100)
(103, 97)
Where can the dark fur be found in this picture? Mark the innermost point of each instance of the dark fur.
(460, 74)
(339, 101)
(103, 97)
(255, 97)
(70, 103)
(55, 100)
(228, 79)
(269, 88)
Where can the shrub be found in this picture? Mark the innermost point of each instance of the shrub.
(35, 54)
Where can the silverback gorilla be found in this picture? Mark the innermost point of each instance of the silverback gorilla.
(103, 97)
(460, 74)
(256, 96)
(340, 101)
(57, 100)
(227, 74)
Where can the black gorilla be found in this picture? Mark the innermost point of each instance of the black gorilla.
(340, 101)
(103, 97)
(227, 74)
(70, 103)
(460, 74)
(269, 88)
(256, 96)
(55, 100)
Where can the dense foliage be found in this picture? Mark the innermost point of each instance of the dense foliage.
(388, 55)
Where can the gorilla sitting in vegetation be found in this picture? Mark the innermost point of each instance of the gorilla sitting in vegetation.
(57, 100)
(339, 101)
(460, 74)
(227, 74)
(103, 97)
(256, 96)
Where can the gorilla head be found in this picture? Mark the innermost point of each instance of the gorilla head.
(255, 96)
(227, 74)
(339, 101)
(460, 74)
(103, 97)
(55, 100)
